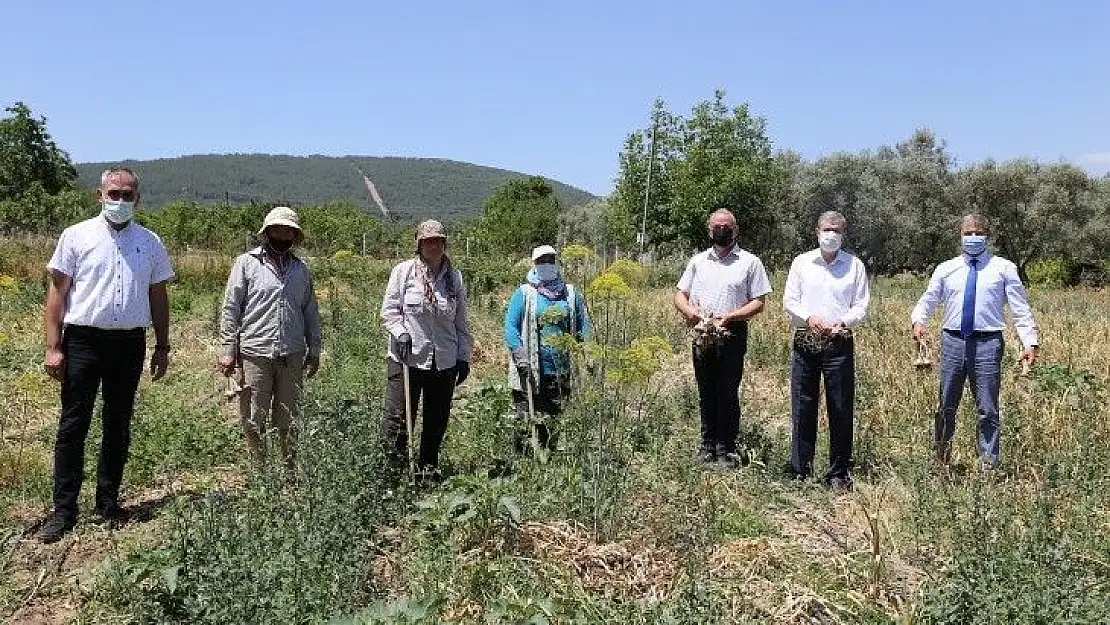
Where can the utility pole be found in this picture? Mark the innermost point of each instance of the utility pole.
(647, 188)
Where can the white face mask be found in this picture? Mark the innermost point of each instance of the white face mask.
(118, 211)
(547, 271)
(829, 241)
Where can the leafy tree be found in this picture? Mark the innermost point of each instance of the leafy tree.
(600, 224)
(1094, 242)
(1037, 211)
(718, 157)
(899, 201)
(36, 211)
(28, 155)
(520, 215)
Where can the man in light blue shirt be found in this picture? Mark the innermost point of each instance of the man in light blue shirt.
(974, 288)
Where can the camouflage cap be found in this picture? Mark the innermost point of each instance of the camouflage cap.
(430, 229)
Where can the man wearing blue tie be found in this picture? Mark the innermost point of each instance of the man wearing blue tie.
(974, 287)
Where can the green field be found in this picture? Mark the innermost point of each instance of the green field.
(622, 526)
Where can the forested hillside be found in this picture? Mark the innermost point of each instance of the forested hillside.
(409, 187)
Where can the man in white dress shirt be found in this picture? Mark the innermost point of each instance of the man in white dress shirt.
(826, 296)
(728, 285)
(974, 287)
(107, 284)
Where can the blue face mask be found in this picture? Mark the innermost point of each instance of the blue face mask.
(118, 212)
(547, 271)
(973, 244)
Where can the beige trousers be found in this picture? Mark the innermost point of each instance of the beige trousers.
(271, 389)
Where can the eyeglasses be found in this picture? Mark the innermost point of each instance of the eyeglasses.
(120, 194)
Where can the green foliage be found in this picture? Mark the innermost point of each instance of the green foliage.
(412, 188)
(576, 253)
(601, 223)
(308, 547)
(899, 202)
(232, 228)
(719, 157)
(632, 271)
(518, 216)
(29, 156)
(1014, 567)
(36, 178)
(1037, 211)
(1055, 272)
(35, 211)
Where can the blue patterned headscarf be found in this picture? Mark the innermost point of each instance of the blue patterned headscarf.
(551, 289)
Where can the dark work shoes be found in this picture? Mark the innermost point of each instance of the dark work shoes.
(56, 527)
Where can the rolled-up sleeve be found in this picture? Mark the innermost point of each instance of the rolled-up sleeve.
(462, 322)
(393, 317)
(231, 317)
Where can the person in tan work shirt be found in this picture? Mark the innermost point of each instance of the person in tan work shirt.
(425, 313)
(270, 327)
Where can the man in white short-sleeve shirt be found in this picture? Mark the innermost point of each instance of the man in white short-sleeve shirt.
(724, 286)
(107, 284)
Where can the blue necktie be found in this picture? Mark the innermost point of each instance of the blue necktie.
(967, 320)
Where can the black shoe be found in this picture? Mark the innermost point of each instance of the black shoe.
(56, 527)
(113, 514)
(706, 455)
(840, 485)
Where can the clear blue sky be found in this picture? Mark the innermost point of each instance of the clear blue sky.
(554, 87)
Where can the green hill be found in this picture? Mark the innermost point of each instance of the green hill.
(411, 188)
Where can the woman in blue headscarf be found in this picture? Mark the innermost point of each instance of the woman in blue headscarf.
(543, 308)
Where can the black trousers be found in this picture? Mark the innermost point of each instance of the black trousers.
(836, 364)
(436, 387)
(718, 371)
(111, 360)
(547, 399)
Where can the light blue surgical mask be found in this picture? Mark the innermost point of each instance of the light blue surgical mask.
(973, 244)
(547, 271)
(118, 211)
